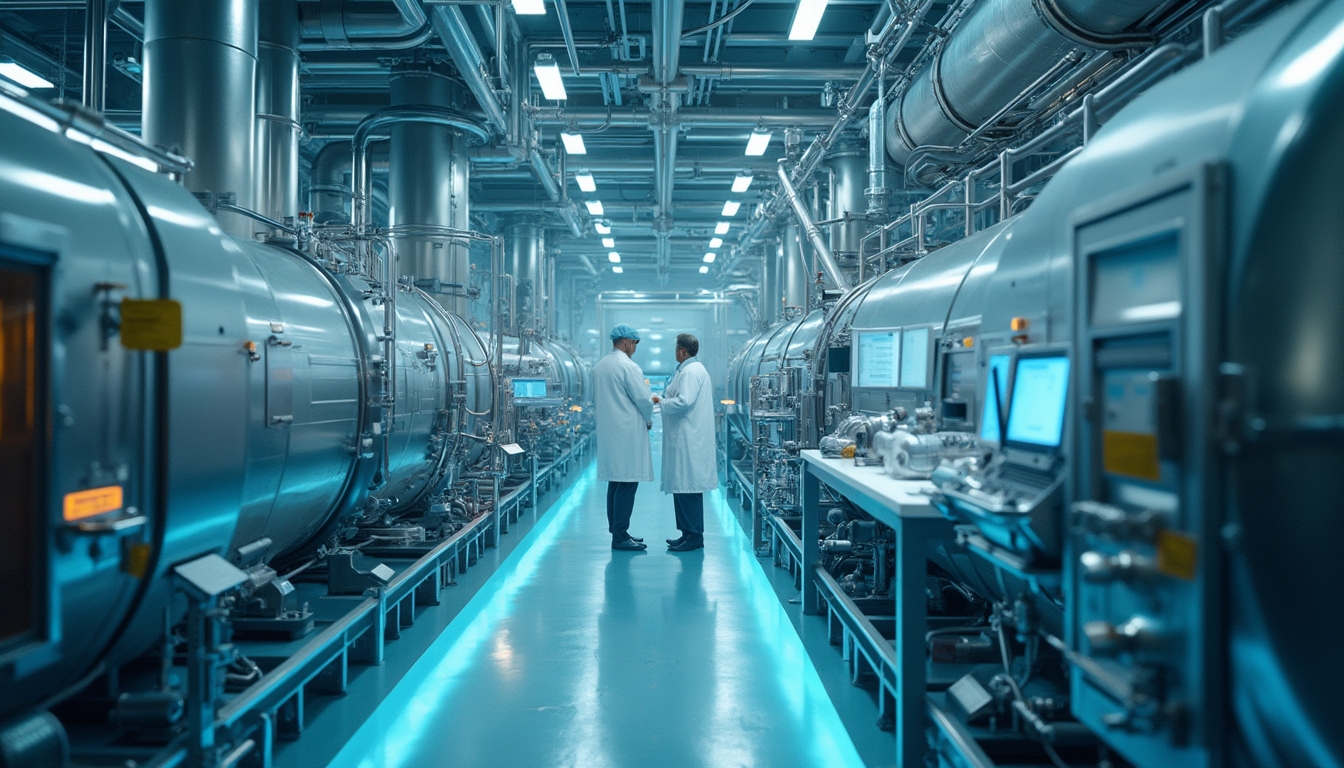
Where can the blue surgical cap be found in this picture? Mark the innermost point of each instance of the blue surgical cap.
(624, 331)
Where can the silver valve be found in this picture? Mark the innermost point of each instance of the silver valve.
(1123, 566)
(1138, 634)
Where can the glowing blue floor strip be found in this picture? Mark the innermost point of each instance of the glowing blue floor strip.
(388, 738)
(831, 745)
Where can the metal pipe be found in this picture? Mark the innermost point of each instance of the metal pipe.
(794, 276)
(347, 26)
(690, 117)
(848, 204)
(775, 73)
(451, 27)
(327, 188)
(200, 94)
(562, 10)
(837, 276)
(95, 55)
(877, 157)
(276, 174)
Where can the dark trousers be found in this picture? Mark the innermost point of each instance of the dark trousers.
(620, 503)
(690, 515)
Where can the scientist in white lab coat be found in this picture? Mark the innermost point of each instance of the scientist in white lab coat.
(690, 466)
(624, 417)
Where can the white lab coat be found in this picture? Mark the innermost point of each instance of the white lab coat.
(624, 414)
(690, 460)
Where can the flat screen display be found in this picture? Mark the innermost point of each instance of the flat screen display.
(989, 419)
(1040, 393)
(878, 358)
(528, 389)
(915, 357)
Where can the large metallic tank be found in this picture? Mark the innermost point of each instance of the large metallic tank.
(265, 424)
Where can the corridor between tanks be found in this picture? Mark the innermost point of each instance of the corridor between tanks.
(577, 655)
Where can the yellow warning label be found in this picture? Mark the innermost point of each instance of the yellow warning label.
(1177, 554)
(95, 501)
(151, 325)
(1130, 453)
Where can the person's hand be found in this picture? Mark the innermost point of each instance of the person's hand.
(657, 399)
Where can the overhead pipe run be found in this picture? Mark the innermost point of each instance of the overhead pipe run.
(997, 52)
(667, 22)
(837, 276)
(349, 26)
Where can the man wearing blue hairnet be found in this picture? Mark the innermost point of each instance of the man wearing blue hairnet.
(624, 408)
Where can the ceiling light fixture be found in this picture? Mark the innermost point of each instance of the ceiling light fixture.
(594, 207)
(715, 242)
(614, 257)
(586, 181)
(704, 270)
(710, 257)
(573, 143)
(760, 139)
(721, 228)
(602, 228)
(24, 76)
(742, 181)
(618, 270)
(608, 242)
(806, 19)
(529, 7)
(548, 75)
(730, 208)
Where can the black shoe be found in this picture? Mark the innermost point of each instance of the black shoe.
(629, 545)
(676, 541)
(636, 539)
(687, 546)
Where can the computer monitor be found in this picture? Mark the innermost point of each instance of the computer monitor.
(529, 389)
(877, 358)
(1040, 394)
(996, 398)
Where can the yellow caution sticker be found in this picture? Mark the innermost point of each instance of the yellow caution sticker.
(151, 325)
(1130, 453)
(95, 501)
(1177, 554)
(135, 559)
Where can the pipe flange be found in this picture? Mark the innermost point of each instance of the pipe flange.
(944, 104)
(1059, 20)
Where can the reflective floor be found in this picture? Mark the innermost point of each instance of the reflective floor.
(575, 655)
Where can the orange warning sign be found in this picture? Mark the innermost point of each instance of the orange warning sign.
(1177, 554)
(95, 501)
(1130, 453)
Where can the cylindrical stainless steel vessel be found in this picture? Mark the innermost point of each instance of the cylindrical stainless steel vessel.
(524, 245)
(427, 185)
(793, 272)
(328, 192)
(276, 176)
(200, 94)
(850, 165)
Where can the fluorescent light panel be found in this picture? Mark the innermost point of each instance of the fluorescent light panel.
(758, 142)
(710, 257)
(529, 7)
(602, 229)
(594, 207)
(24, 76)
(715, 242)
(574, 143)
(806, 19)
(586, 181)
(618, 270)
(548, 75)
(608, 242)
(730, 208)
(741, 182)
(704, 270)
(721, 228)
(614, 257)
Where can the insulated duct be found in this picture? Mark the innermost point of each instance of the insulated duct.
(849, 165)
(794, 275)
(350, 26)
(877, 157)
(200, 95)
(996, 53)
(427, 185)
(276, 177)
